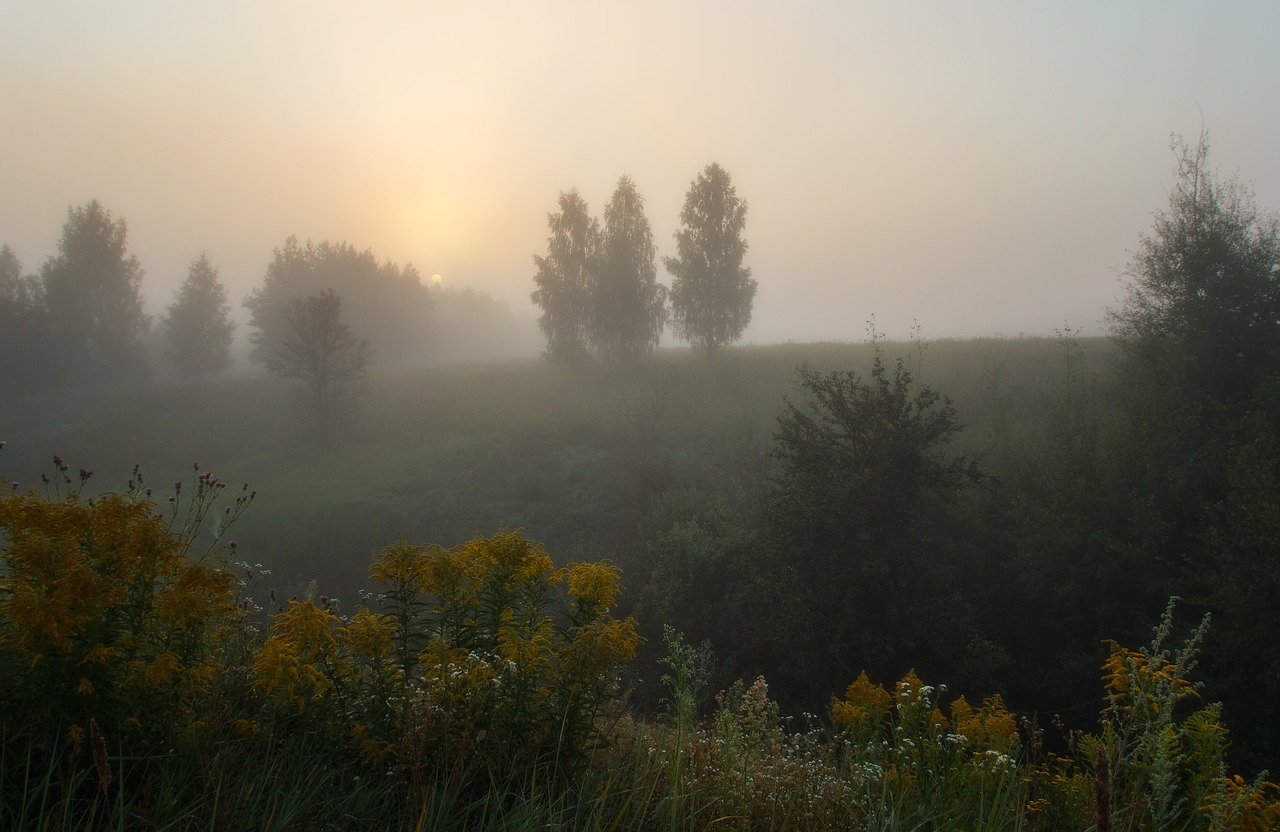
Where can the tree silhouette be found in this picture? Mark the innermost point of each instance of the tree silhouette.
(198, 328)
(383, 299)
(711, 291)
(628, 304)
(93, 293)
(1203, 301)
(317, 350)
(565, 277)
(27, 351)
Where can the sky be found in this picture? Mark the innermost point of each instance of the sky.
(978, 168)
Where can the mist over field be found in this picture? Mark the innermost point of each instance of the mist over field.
(981, 170)
(808, 416)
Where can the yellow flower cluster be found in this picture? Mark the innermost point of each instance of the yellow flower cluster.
(594, 586)
(491, 654)
(988, 728)
(103, 599)
(864, 705)
(1133, 675)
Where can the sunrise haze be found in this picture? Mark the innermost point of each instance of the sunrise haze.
(980, 167)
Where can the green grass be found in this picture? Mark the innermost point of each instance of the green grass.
(572, 456)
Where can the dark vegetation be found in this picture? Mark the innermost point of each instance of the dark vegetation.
(998, 514)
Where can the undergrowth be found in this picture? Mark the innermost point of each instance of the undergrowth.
(141, 687)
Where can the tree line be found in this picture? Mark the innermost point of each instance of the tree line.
(597, 284)
(81, 318)
(873, 545)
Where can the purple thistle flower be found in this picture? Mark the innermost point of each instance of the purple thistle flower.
(57, 460)
(232, 544)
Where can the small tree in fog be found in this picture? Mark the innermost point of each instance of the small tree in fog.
(319, 351)
(565, 277)
(1200, 315)
(384, 299)
(198, 328)
(27, 353)
(93, 293)
(628, 303)
(711, 291)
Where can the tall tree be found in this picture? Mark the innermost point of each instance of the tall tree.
(198, 327)
(1203, 298)
(93, 292)
(711, 291)
(317, 350)
(628, 304)
(1199, 338)
(27, 351)
(565, 278)
(380, 298)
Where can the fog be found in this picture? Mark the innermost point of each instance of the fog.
(978, 168)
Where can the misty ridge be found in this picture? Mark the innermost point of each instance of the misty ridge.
(469, 570)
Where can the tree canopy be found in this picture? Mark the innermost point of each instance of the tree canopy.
(318, 351)
(383, 299)
(26, 346)
(711, 291)
(198, 328)
(93, 293)
(565, 278)
(858, 508)
(628, 304)
(1202, 309)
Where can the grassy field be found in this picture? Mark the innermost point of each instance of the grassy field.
(438, 454)
(330, 717)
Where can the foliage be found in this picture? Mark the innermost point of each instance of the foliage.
(113, 622)
(318, 351)
(121, 643)
(854, 508)
(198, 326)
(27, 351)
(1156, 763)
(385, 300)
(629, 305)
(92, 290)
(493, 675)
(711, 291)
(1199, 351)
(565, 279)
(1204, 294)
(137, 690)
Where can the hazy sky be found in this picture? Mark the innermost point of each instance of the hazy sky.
(982, 167)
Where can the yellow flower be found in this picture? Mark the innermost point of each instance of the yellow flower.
(75, 734)
(397, 564)
(369, 634)
(864, 704)
(594, 585)
(99, 654)
(85, 687)
(161, 670)
(247, 727)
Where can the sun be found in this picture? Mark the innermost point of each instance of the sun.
(437, 279)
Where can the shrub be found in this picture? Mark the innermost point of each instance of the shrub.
(495, 668)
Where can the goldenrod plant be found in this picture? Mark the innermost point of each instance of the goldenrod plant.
(141, 689)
